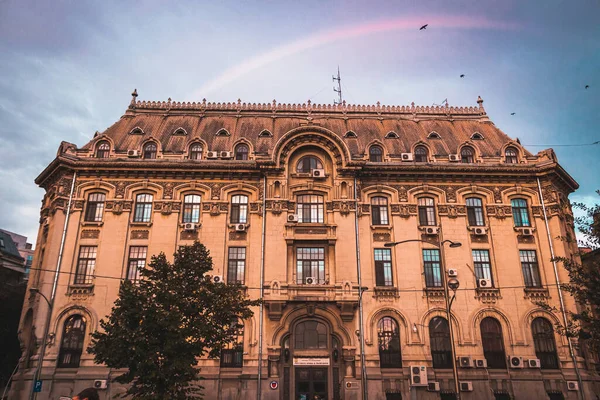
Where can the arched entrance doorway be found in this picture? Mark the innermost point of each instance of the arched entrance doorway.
(311, 359)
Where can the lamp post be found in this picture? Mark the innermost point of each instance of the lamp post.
(38, 368)
(448, 285)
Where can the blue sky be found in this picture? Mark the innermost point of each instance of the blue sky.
(67, 69)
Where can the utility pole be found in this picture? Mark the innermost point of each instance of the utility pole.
(338, 89)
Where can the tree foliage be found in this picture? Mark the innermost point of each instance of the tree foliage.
(159, 326)
(584, 280)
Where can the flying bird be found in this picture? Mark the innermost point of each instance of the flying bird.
(423, 27)
(512, 113)
(587, 86)
(462, 75)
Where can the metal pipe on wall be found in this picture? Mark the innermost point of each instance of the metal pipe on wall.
(262, 306)
(363, 373)
(560, 295)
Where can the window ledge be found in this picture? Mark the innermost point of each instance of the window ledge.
(487, 295)
(386, 292)
(536, 293)
(81, 290)
(92, 223)
(141, 224)
(386, 227)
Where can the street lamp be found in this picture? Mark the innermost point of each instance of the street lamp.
(451, 284)
(38, 368)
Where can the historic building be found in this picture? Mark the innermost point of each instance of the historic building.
(306, 204)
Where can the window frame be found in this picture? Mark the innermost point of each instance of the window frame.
(142, 210)
(496, 352)
(512, 158)
(424, 157)
(466, 158)
(373, 155)
(379, 210)
(239, 208)
(300, 332)
(94, 209)
(310, 259)
(236, 264)
(475, 212)
(232, 356)
(549, 356)
(137, 258)
(149, 154)
(103, 149)
(388, 335)
(427, 212)
(195, 151)
(190, 211)
(441, 348)
(242, 155)
(482, 265)
(314, 210)
(519, 211)
(318, 164)
(86, 264)
(71, 334)
(530, 268)
(431, 265)
(384, 275)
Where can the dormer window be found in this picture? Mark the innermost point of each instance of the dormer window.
(223, 132)
(103, 150)
(196, 151)
(150, 151)
(241, 152)
(307, 164)
(350, 134)
(511, 155)
(375, 154)
(391, 135)
(467, 155)
(180, 132)
(434, 135)
(421, 154)
(136, 131)
(477, 136)
(265, 133)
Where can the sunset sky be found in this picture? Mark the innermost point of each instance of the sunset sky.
(67, 69)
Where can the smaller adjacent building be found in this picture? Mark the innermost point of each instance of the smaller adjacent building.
(12, 264)
(24, 249)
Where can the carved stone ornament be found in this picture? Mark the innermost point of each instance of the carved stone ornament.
(168, 190)
(345, 207)
(119, 188)
(215, 190)
(140, 234)
(214, 209)
(452, 211)
(488, 295)
(237, 235)
(498, 211)
(90, 233)
(276, 207)
(118, 206)
(188, 235)
(526, 239)
(479, 239)
(434, 295)
(78, 204)
(382, 237)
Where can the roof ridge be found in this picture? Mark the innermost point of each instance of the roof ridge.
(307, 107)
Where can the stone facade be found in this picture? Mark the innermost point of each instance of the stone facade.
(311, 193)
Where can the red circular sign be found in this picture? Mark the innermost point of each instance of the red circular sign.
(274, 385)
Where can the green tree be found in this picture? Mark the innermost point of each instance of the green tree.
(159, 326)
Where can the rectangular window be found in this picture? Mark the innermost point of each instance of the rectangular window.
(310, 263)
(137, 261)
(531, 271)
(191, 209)
(310, 209)
(143, 208)
(85, 265)
(520, 212)
(239, 209)
(426, 211)
(236, 265)
(475, 212)
(481, 261)
(383, 267)
(379, 211)
(95, 207)
(433, 272)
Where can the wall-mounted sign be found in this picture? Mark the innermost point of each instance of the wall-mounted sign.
(311, 361)
(274, 385)
(352, 385)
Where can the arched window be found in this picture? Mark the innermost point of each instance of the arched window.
(520, 212)
(375, 154)
(196, 151)
(71, 345)
(475, 211)
(150, 151)
(493, 344)
(103, 150)
(441, 346)
(95, 207)
(467, 155)
(308, 163)
(310, 335)
(543, 341)
(191, 208)
(241, 152)
(388, 338)
(143, 208)
(379, 210)
(421, 154)
(426, 208)
(232, 356)
(511, 156)
(239, 209)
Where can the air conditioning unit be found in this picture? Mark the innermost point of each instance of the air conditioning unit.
(481, 363)
(534, 363)
(479, 231)
(454, 157)
(516, 362)
(466, 386)
(100, 384)
(217, 279)
(226, 154)
(465, 362)
(406, 156)
(484, 283)
(418, 375)
(318, 173)
(292, 218)
(452, 273)
(212, 154)
(526, 231)
(573, 385)
(132, 153)
(241, 227)
(432, 230)
(433, 387)
(311, 280)
(189, 226)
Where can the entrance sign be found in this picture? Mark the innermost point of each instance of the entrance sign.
(311, 361)
(37, 386)
(274, 385)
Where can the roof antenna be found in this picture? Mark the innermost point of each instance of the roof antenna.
(338, 90)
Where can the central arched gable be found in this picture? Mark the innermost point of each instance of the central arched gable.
(313, 135)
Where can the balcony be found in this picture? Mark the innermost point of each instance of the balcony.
(310, 231)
